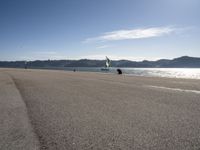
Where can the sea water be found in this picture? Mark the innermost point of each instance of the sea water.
(191, 73)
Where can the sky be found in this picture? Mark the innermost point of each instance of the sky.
(93, 29)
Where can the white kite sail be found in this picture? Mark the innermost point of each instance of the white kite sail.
(108, 62)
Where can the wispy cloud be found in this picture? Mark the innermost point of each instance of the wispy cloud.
(104, 46)
(45, 52)
(132, 34)
(116, 57)
(42, 55)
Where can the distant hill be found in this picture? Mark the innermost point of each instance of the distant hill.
(181, 62)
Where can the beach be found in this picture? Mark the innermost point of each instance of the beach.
(65, 110)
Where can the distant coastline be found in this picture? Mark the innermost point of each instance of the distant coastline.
(181, 62)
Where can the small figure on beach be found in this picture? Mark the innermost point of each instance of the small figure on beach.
(119, 71)
(74, 70)
(25, 65)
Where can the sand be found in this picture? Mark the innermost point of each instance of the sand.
(44, 109)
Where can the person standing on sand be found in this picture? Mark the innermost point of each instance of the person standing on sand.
(25, 65)
(119, 71)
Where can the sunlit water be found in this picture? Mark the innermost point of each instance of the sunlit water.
(165, 72)
(192, 73)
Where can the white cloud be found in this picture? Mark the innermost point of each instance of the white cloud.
(132, 34)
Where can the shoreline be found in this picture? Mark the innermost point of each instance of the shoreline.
(112, 73)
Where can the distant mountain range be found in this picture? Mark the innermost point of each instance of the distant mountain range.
(181, 62)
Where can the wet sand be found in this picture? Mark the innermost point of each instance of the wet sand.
(44, 109)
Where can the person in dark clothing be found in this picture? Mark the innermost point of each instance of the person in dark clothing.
(25, 65)
(119, 71)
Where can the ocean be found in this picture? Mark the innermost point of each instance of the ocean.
(189, 73)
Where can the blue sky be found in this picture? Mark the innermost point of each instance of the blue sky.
(120, 29)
